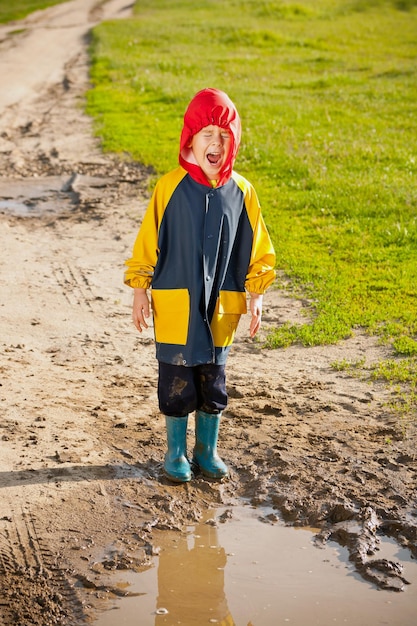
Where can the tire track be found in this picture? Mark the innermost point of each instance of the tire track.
(31, 575)
(75, 286)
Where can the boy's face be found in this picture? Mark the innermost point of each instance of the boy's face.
(211, 147)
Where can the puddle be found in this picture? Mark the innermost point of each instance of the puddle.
(34, 197)
(246, 572)
(33, 207)
(14, 207)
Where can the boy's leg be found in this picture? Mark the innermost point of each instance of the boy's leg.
(177, 394)
(212, 399)
(210, 386)
(177, 397)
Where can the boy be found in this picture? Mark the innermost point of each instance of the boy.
(202, 244)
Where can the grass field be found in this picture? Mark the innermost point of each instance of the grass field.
(18, 9)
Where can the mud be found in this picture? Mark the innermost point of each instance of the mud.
(82, 441)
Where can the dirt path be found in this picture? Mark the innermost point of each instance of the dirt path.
(82, 441)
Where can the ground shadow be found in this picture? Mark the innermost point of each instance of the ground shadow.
(76, 473)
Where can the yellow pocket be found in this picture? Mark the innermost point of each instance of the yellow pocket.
(230, 306)
(171, 312)
(232, 302)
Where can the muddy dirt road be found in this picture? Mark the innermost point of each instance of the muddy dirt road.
(81, 438)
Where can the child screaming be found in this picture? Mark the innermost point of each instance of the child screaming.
(202, 246)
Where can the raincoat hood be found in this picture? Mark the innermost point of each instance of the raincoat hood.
(209, 107)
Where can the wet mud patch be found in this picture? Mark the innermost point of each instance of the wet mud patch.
(305, 476)
(235, 566)
(331, 472)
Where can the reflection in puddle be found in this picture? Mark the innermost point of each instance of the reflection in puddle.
(248, 573)
(191, 579)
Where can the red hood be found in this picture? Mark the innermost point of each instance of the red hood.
(209, 106)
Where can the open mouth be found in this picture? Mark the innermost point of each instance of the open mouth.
(214, 158)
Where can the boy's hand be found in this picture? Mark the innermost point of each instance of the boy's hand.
(255, 307)
(141, 309)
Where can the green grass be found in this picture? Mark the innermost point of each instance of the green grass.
(17, 9)
(327, 93)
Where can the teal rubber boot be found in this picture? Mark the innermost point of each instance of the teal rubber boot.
(176, 465)
(205, 450)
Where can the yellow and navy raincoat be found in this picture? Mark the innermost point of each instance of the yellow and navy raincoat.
(200, 248)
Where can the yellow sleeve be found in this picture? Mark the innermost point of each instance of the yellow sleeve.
(261, 273)
(141, 266)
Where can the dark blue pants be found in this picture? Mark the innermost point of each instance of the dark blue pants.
(182, 390)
